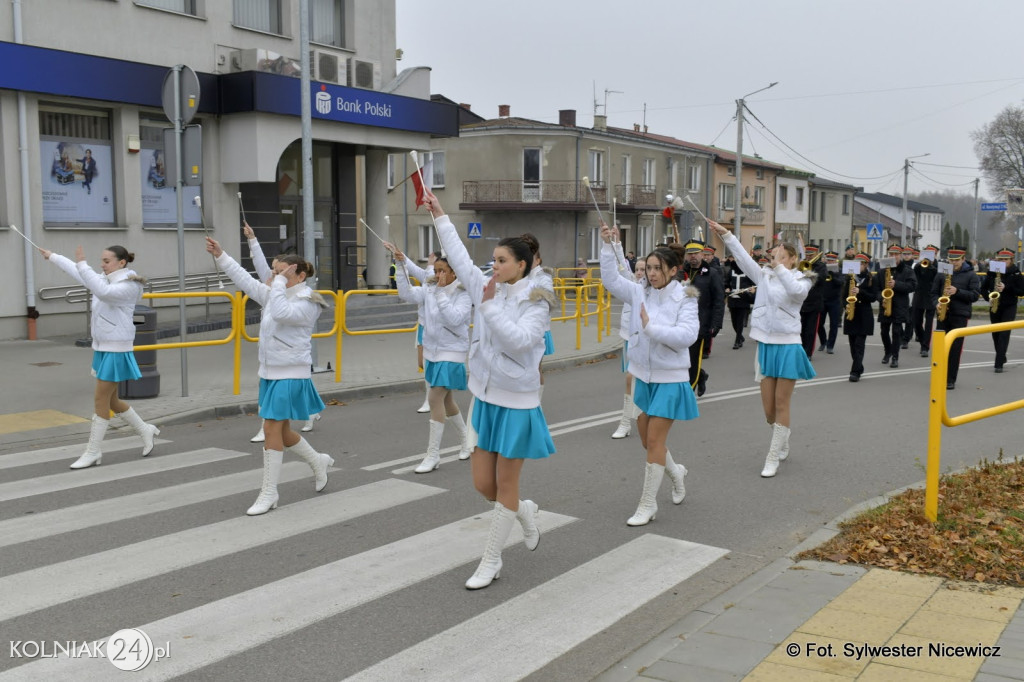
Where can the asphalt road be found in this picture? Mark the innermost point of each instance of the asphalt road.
(850, 442)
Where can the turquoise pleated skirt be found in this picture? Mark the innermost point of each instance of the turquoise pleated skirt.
(108, 366)
(624, 357)
(514, 434)
(671, 401)
(549, 343)
(282, 399)
(784, 361)
(451, 375)
(419, 334)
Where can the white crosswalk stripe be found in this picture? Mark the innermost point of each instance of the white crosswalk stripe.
(598, 591)
(70, 452)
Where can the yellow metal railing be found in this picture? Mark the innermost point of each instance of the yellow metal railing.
(937, 405)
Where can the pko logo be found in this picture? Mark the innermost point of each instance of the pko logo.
(323, 101)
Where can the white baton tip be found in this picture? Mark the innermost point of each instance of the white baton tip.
(586, 181)
(239, 195)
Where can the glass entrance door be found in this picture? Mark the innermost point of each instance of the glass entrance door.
(325, 260)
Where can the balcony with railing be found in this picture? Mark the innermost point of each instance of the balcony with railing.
(546, 195)
(752, 214)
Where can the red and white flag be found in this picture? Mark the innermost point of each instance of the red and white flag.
(417, 183)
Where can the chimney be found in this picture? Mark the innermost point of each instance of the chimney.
(567, 117)
(467, 107)
(636, 127)
(503, 110)
(600, 122)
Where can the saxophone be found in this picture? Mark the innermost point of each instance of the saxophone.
(887, 294)
(851, 300)
(993, 298)
(943, 307)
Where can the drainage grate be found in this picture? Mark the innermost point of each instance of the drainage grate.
(46, 364)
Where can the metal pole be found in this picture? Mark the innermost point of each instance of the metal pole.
(903, 227)
(975, 250)
(308, 236)
(737, 219)
(179, 185)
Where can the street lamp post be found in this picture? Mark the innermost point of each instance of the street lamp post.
(906, 173)
(739, 160)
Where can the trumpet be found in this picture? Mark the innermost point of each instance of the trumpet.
(925, 263)
(851, 300)
(808, 263)
(943, 307)
(993, 298)
(887, 294)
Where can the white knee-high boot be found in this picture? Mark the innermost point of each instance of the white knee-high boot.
(784, 448)
(459, 425)
(490, 565)
(527, 516)
(676, 472)
(308, 426)
(626, 421)
(433, 458)
(317, 461)
(271, 475)
(93, 453)
(260, 436)
(472, 437)
(146, 431)
(780, 434)
(648, 506)
(425, 407)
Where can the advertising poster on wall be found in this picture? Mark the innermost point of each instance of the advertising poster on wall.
(159, 201)
(78, 182)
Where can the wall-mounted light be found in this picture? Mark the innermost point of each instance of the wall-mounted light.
(134, 144)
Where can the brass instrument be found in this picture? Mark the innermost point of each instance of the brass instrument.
(943, 307)
(887, 294)
(993, 298)
(925, 263)
(807, 264)
(851, 300)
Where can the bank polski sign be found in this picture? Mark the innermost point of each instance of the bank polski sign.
(343, 106)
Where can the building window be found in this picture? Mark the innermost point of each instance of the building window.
(799, 198)
(693, 178)
(627, 168)
(759, 173)
(595, 244)
(76, 160)
(846, 204)
(759, 196)
(647, 177)
(426, 240)
(433, 163)
(392, 171)
(726, 197)
(596, 167)
(262, 15)
(644, 238)
(182, 6)
(673, 175)
(731, 171)
(821, 208)
(327, 22)
(532, 157)
(159, 203)
(814, 203)
(783, 196)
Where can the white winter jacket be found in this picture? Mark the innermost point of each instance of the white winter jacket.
(446, 314)
(627, 309)
(286, 326)
(660, 352)
(542, 278)
(508, 340)
(422, 274)
(775, 317)
(114, 297)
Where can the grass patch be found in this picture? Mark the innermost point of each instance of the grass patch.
(979, 534)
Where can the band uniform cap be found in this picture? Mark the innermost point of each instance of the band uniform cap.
(850, 246)
(709, 249)
(831, 255)
(811, 249)
(694, 245)
(1004, 253)
(895, 249)
(956, 252)
(932, 247)
(912, 250)
(763, 261)
(863, 258)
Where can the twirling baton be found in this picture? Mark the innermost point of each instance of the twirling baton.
(15, 228)
(241, 207)
(586, 181)
(198, 201)
(371, 231)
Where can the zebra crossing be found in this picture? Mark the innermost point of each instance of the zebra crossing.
(562, 611)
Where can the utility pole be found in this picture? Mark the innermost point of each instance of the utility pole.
(975, 249)
(740, 103)
(906, 174)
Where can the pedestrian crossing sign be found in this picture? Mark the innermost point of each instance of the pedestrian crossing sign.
(874, 231)
(475, 231)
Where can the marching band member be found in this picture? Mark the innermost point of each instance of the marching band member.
(862, 325)
(831, 295)
(1010, 286)
(810, 311)
(708, 281)
(114, 295)
(290, 312)
(508, 343)
(903, 283)
(923, 304)
(625, 426)
(775, 325)
(446, 313)
(963, 290)
(664, 324)
(422, 275)
(739, 292)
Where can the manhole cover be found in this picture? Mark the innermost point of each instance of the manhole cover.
(46, 364)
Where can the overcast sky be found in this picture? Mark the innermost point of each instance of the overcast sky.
(861, 84)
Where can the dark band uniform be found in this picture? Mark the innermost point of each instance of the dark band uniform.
(863, 323)
(832, 297)
(810, 309)
(710, 308)
(924, 305)
(968, 290)
(904, 283)
(1006, 310)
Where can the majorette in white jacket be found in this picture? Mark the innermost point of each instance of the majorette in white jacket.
(422, 274)
(658, 353)
(446, 314)
(775, 317)
(542, 278)
(113, 303)
(627, 309)
(286, 326)
(508, 341)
